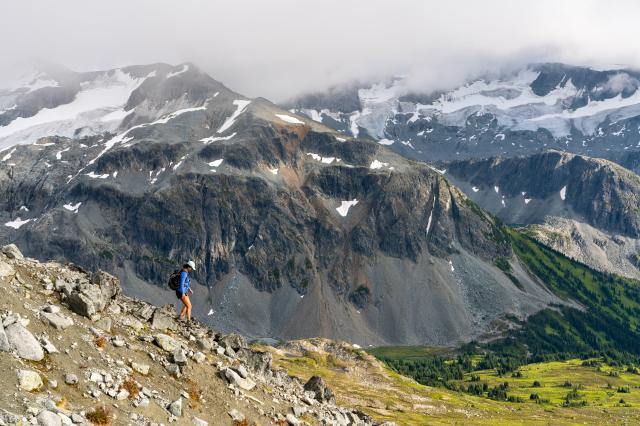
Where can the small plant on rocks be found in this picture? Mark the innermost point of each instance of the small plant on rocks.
(101, 342)
(100, 416)
(130, 386)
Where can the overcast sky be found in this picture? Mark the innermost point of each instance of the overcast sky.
(279, 48)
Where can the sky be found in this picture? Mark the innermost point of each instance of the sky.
(282, 48)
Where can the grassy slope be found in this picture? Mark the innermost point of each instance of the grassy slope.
(367, 384)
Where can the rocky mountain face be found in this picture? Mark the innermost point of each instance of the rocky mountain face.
(296, 229)
(586, 208)
(75, 350)
(539, 107)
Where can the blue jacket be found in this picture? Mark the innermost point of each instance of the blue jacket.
(185, 282)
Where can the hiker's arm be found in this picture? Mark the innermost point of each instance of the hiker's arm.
(183, 281)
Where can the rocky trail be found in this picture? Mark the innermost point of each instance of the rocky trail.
(75, 350)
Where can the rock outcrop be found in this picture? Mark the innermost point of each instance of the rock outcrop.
(137, 375)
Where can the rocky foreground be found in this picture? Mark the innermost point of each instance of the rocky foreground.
(75, 350)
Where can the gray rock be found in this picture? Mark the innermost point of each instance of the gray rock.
(89, 299)
(235, 379)
(56, 320)
(70, 379)
(199, 357)
(234, 341)
(321, 392)
(49, 418)
(175, 407)
(29, 380)
(48, 346)
(162, 321)
(122, 395)
(12, 252)
(4, 341)
(258, 362)
(6, 270)
(53, 309)
(298, 410)
(205, 344)
(236, 415)
(174, 370)
(104, 324)
(22, 341)
(179, 357)
(140, 368)
(77, 418)
(242, 371)
(292, 420)
(166, 342)
(199, 422)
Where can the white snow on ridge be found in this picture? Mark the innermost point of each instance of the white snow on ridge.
(8, 156)
(17, 223)
(375, 164)
(497, 189)
(97, 98)
(289, 119)
(216, 163)
(59, 153)
(385, 141)
(184, 68)
(324, 160)
(240, 107)
(343, 210)
(274, 171)
(217, 138)
(527, 200)
(92, 175)
(475, 189)
(73, 207)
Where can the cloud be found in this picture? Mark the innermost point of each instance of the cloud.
(280, 48)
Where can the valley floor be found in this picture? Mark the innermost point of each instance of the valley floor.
(363, 382)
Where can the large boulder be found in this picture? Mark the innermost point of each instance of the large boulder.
(89, 299)
(165, 342)
(23, 342)
(49, 418)
(233, 341)
(235, 379)
(163, 319)
(12, 252)
(320, 391)
(56, 320)
(258, 362)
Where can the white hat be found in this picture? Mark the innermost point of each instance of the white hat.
(192, 264)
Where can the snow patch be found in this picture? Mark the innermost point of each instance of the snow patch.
(8, 156)
(563, 193)
(92, 175)
(386, 142)
(184, 69)
(240, 107)
(274, 171)
(375, 164)
(343, 210)
(216, 163)
(475, 189)
(217, 138)
(289, 119)
(73, 207)
(17, 223)
(59, 153)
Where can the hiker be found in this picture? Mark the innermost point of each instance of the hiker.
(184, 290)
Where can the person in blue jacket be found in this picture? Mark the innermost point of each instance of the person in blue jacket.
(184, 290)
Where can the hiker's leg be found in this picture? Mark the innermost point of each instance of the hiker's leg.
(187, 303)
(183, 310)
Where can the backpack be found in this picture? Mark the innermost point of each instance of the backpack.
(174, 280)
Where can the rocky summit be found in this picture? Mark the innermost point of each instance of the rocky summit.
(112, 364)
(297, 229)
